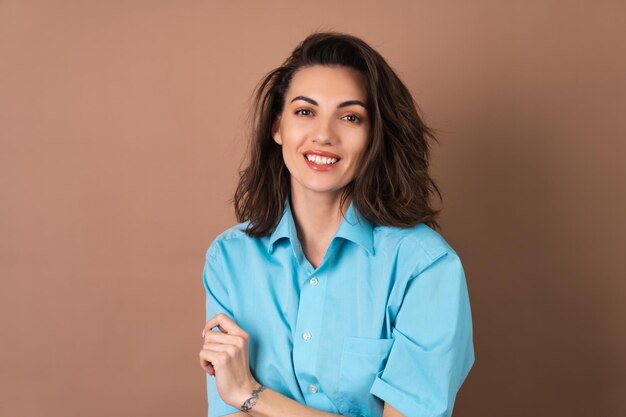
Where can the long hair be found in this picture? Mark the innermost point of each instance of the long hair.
(392, 186)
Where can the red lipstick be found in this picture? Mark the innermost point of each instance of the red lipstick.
(324, 154)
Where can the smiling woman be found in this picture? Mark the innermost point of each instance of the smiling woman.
(323, 130)
(335, 295)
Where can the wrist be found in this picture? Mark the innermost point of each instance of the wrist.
(244, 392)
(251, 401)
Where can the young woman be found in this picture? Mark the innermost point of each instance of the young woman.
(335, 295)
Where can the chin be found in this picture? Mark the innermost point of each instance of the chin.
(324, 189)
(319, 185)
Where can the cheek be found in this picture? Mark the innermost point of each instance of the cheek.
(358, 147)
(289, 158)
(291, 137)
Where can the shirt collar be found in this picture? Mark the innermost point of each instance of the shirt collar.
(285, 228)
(354, 227)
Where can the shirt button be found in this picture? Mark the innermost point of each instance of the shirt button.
(313, 389)
(307, 336)
(314, 281)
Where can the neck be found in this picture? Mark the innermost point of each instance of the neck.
(317, 217)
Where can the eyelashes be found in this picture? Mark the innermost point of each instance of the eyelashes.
(351, 117)
(304, 112)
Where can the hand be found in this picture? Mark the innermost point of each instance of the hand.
(225, 356)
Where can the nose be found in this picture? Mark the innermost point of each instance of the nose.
(323, 134)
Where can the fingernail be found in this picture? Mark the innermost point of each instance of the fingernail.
(202, 333)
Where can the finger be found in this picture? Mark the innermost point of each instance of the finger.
(223, 338)
(205, 331)
(225, 324)
(208, 367)
(217, 357)
(212, 323)
(220, 347)
(206, 364)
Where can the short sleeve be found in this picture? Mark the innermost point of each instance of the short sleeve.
(432, 351)
(216, 302)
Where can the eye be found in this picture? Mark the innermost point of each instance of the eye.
(304, 112)
(352, 118)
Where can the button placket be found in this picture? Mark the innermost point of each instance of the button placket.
(307, 329)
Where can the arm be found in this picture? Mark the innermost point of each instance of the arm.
(271, 403)
(388, 411)
(225, 356)
(432, 352)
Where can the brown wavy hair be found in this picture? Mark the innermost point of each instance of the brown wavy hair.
(392, 186)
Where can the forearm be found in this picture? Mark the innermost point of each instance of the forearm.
(287, 407)
(273, 404)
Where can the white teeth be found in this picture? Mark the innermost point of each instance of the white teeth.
(321, 160)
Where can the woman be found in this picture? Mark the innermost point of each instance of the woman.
(334, 296)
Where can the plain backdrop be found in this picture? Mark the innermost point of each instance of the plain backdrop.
(122, 127)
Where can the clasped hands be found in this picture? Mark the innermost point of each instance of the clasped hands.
(225, 356)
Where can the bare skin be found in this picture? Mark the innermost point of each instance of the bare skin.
(317, 219)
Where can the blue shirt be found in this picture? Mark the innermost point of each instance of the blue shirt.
(384, 317)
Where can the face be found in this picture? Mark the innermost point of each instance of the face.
(323, 128)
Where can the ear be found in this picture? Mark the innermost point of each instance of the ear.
(276, 131)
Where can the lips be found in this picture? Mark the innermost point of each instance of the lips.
(321, 160)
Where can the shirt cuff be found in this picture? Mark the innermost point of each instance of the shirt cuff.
(398, 399)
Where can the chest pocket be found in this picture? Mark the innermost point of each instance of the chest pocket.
(361, 360)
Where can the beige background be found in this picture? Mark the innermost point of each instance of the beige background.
(122, 127)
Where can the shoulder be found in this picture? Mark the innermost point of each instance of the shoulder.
(420, 243)
(421, 238)
(234, 236)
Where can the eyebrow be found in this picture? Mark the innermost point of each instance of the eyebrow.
(342, 104)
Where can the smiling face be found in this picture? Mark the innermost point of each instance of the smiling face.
(323, 128)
